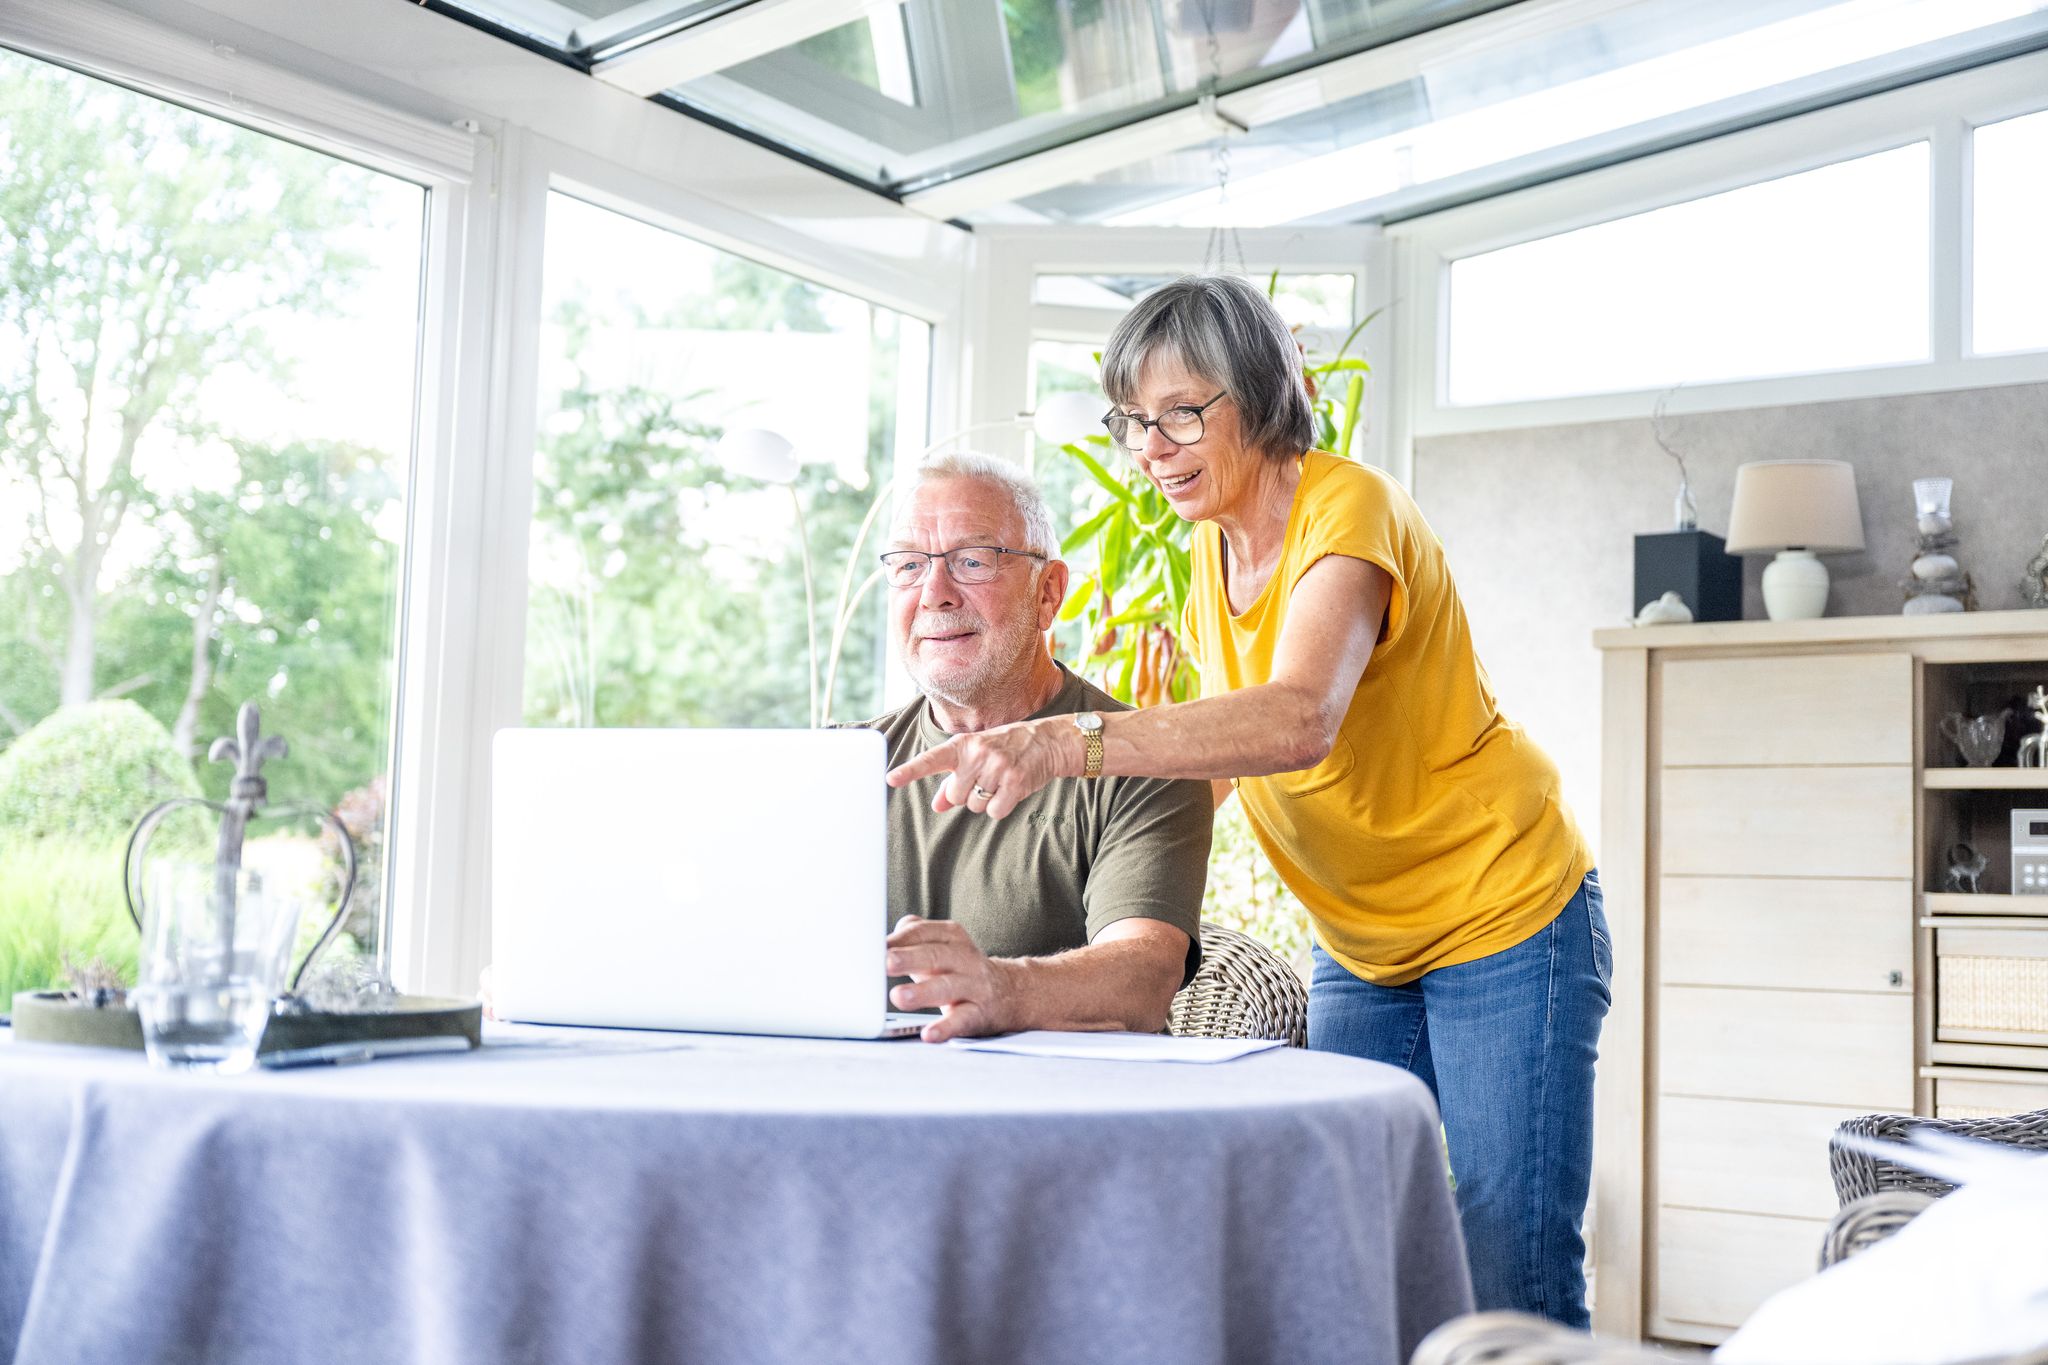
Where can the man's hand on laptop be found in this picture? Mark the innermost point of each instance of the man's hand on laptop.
(974, 992)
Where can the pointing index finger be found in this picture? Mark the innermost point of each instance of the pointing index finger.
(935, 760)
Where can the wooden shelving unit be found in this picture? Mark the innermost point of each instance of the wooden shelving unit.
(1942, 903)
(1779, 808)
(1985, 779)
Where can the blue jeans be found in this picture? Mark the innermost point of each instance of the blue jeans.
(1506, 1044)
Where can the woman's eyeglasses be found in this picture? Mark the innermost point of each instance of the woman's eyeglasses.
(1182, 425)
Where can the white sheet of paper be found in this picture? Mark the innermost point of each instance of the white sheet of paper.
(1120, 1047)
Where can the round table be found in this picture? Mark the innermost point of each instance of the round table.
(595, 1196)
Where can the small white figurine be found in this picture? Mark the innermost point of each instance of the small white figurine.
(1965, 866)
(1668, 610)
(2034, 747)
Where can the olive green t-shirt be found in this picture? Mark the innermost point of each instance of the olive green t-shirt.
(1073, 858)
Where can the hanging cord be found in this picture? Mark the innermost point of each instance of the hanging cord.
(1223, 243)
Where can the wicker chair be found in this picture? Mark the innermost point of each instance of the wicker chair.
(1857, 1175)
(1523, 1339)
(1868, 1220)
(1877, 1198)
(1243, 990)
(1518, 1339)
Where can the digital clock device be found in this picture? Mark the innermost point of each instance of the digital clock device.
(2030, 852)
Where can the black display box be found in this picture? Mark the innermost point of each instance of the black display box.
(1695, 565)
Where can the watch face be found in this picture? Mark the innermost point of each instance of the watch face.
(1088, 720)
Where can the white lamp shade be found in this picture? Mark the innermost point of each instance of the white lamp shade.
(1065, 418)
(1795, 504)
(757, 453)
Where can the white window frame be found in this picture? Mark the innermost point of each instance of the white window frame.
(1004, 317)
(1940, 112)
(446, 162)
(487, 130)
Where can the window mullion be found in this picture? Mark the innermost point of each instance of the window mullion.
(1948, 242)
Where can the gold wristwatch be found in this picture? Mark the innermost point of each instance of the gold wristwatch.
(1089, 723)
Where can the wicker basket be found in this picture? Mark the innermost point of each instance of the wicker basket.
(1991, 985)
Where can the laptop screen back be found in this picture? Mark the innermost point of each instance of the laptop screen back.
(722, 880)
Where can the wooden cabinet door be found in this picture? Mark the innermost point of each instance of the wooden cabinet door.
(1782, 851)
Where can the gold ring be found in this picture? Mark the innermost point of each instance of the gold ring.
(984, 793)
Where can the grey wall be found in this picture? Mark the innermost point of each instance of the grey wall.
(1540, 522)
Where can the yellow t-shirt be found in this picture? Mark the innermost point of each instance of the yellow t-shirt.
(1434, 833)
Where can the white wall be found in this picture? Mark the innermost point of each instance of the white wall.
(1540, 525)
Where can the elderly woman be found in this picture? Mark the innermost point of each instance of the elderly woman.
(1457, 917)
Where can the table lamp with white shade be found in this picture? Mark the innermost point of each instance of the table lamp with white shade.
(1799, 510)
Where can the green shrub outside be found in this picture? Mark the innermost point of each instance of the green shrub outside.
(86, 774)
(57, 897)
(71, 788)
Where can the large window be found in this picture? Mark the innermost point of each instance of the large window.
(1824, 270)
(2010, 301)
(667, 585)
(207, 342)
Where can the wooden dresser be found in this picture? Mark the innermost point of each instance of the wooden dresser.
(1778, 799)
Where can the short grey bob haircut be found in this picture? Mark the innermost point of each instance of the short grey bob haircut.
(1018, 486)
(1222, 328)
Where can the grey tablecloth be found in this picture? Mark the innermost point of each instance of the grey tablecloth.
(589, 1198)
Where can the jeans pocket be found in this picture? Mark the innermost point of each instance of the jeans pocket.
(1596, 924)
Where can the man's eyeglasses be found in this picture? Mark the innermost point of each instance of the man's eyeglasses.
(1182, 425)
(968, 564)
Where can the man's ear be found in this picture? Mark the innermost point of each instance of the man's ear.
(1052, 591)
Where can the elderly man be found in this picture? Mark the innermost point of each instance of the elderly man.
(1079, 910)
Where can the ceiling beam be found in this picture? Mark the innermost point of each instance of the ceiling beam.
(1255, 105)
(652, 65)
(1077, 160)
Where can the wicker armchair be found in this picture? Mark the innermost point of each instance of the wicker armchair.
(1877, 1197)
(1243, 990)
(1857, 1175)
(1523, 1339)
(1868, 1220)
(1518, 1339)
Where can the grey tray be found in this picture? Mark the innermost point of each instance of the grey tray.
(53, 1017)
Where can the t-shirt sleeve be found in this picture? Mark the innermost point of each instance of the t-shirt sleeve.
(1152, 859)
(1354, 514)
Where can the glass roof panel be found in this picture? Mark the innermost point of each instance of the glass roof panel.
(873, 52)
(1108, 111)
(1647, 70)
(578, 27)
(999, 80)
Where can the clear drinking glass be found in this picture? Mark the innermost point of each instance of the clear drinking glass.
(215, 945)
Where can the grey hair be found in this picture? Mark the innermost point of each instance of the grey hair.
(1022, 490)
(1222, 328)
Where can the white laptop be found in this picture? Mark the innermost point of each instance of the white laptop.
(723, 881)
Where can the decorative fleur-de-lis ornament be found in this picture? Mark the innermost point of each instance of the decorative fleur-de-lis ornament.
(248, 793)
